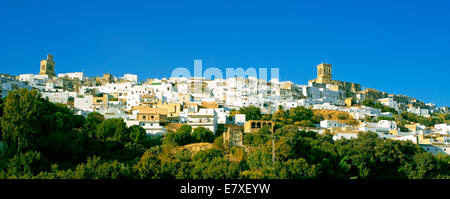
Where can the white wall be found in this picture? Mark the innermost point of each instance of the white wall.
(83, 103)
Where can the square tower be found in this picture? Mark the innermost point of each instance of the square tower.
(48, 66)
(324, 73)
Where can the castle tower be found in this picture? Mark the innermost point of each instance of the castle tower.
(48, 66)
(324, 73)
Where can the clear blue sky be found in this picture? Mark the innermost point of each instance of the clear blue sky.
(401, 47)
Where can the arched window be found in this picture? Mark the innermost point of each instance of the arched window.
(253, 125)
(258, 125)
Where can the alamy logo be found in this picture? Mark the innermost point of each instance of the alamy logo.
(215, 73)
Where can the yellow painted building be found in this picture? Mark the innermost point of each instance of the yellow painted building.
(209, 105)
(150, 114)
(433, 138)
(192, 107)
(184, 97)
(349, 101)
(412, 127)
(150, 100)
(103, 100)
(253, 126)
(173, 109)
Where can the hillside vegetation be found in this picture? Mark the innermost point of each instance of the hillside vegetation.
(47, 141)
(341, 116)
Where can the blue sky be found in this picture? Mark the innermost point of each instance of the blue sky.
(400, 47)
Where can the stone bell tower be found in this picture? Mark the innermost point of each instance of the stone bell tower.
(48, 66)
(324, 73)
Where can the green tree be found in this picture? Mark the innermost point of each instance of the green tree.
(95, 168)
(30, 123)
(368, 102)
(202, 134)
(211, 164)
(300, 113)
(113, 129)
(92, 121)
(149, 166)
(259, 138)
(137, 134)
(251, 112)
(296, 169)
(370, 157)
(180, 137)
(153, 140)
(385, 118)
(317, 118)
(22, 120)
(259, 159)
(422, 166)
(26, 165)
(305, 123)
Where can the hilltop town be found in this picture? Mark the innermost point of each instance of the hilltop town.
(162, 105)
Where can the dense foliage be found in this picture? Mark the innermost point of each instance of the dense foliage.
(46, 140)
(251, 112)
(299, 116)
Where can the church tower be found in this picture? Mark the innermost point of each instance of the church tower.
(48, 66)
(324, 73)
